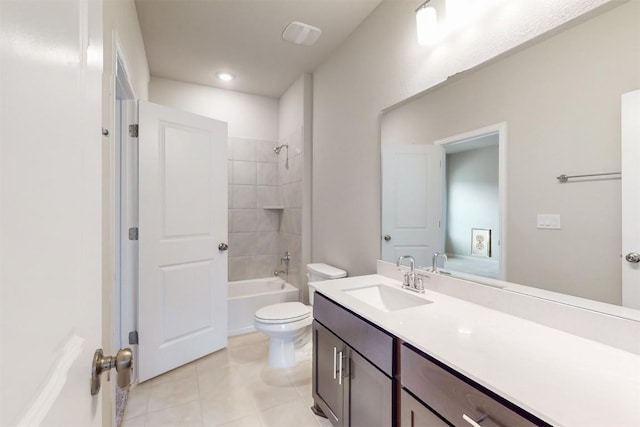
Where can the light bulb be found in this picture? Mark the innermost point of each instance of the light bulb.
(427, 25)
(225, 77)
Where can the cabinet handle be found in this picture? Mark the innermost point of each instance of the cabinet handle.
(472, 422)
(340, 368)
(335, 350)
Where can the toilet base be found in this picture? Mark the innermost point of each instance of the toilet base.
(282, 350)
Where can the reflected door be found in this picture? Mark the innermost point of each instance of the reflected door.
(630, 199)
(411, 202)
(183, 219)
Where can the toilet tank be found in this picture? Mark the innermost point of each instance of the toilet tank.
(319, 272)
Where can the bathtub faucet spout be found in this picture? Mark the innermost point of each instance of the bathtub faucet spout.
(277, 273)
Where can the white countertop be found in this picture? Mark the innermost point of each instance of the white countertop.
(561, 378)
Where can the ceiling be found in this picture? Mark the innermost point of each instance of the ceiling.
(191, 40)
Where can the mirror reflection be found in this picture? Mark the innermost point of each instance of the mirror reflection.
(498, 210)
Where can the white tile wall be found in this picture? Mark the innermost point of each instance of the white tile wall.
(267, 174)
(244, 220)
(243, 196)
(243, 172)
(268, 196)
(265, 151)
(267, 243)
(242, 244)
(290, 185)
(258, 177)
(253, 232)
(269, 220)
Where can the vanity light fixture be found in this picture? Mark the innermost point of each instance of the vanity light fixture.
(225, 77)
(426, 24)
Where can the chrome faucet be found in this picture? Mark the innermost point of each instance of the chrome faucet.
(434, 261)
(411, 280)
(285, 259)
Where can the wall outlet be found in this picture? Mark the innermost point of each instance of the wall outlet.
(549, 221)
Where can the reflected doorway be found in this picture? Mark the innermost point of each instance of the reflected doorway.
(473, 197)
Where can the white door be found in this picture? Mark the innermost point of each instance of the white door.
(183, 219)
(411, 202)
(51, 202)
(630, 198)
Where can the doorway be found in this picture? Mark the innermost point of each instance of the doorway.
(125, 216)
(474, 194)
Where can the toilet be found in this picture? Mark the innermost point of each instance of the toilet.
(288, 324)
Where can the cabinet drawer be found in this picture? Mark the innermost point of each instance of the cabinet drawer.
(366, 339)
(454, 396)
(415, 414)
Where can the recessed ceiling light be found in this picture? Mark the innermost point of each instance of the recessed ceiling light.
(225, 77)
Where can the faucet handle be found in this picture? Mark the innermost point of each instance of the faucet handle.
(406, 275)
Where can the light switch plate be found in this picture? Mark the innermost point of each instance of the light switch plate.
(549, 221)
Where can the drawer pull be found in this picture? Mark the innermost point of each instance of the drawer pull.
(340, 368)
(335, 351)
(474, 423)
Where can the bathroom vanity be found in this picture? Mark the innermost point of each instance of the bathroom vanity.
(384, 356)
(353, 364)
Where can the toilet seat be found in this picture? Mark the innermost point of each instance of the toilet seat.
(286, 312)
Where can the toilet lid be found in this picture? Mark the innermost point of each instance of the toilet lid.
(283, 313)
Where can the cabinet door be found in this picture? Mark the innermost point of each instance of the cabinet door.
(415, 414)
(370, 394)
(328, 386)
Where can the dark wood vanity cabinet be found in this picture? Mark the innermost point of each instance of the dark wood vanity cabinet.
(455, 398)
(365, 377)
(348, 384)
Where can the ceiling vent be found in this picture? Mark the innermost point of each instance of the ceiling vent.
(299, 33)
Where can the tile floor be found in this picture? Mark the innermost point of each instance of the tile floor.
(231, 387)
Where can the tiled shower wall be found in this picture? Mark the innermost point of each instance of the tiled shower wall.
(290, 184)
(253, 231)
(258, 177)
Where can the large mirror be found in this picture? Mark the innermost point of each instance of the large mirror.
(556, 107)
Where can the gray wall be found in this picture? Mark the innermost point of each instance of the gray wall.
(472, 198)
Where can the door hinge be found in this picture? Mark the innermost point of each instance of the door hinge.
(133, 337)
(133, 131)
(133, 233)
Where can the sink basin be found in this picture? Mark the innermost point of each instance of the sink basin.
(385, 298)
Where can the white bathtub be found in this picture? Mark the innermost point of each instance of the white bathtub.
(247, 296)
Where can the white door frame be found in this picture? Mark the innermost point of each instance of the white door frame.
(501, 130)
(124, 204)
(119, 88)
(126, 208)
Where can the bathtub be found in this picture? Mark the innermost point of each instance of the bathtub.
(247, 296)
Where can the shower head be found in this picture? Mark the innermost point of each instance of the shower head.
(278, 149)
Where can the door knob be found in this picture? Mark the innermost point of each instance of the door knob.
(223, 247)
(122, 361)
(633, 257)
(387, 237)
